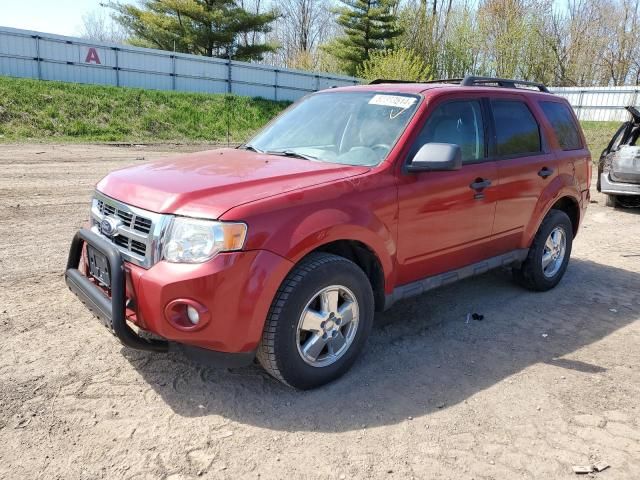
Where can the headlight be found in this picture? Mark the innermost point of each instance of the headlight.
(195, 241)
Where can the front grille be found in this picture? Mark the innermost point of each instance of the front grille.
(140, 224)
(138, 231)
(138, 247)
(121, 241)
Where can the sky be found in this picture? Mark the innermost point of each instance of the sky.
(63, 17)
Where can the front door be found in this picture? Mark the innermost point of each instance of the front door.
(446, 218)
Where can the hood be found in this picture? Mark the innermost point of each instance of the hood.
(207, 184)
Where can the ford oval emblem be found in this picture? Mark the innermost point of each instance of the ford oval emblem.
(109, 226)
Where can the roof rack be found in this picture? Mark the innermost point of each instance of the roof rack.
(378, 81)
(445, 80)
(472, 81)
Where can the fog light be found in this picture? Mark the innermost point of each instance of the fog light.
(192, 313)
(187, 314)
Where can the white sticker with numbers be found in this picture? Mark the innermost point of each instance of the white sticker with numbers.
(395, 101)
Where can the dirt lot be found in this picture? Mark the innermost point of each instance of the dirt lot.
(544, 382)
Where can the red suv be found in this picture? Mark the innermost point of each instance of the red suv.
(352, 199)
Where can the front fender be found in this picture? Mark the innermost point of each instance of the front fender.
(363, 210)
(379, 241)
(308, 232)
(564, 185)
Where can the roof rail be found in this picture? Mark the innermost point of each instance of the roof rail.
(470, 81)
(378, 81)
(445, 80)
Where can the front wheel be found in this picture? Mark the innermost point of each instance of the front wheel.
(318, 323)
(549, 254)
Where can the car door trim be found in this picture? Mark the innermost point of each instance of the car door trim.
(421, 286)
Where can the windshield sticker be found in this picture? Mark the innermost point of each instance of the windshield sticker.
(396, 101)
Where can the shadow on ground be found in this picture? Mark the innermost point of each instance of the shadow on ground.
(422, 354)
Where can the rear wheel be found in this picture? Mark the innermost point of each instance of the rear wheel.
(318, 322)
(549, 253)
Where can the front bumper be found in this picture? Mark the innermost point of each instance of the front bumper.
(617, 188)
(110, 310)
(236, 289)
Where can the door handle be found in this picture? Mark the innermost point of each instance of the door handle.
(545, 172)
(480, 184)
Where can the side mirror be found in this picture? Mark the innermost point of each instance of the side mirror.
(433, 157)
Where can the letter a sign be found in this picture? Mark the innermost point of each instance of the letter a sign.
(92, 56)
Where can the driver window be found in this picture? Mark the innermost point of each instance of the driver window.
(320, 129)
(457, 122)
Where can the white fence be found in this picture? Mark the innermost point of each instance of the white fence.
(29, 54)
(600, 103)
(45, 56)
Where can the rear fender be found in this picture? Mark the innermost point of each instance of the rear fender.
(564, 185)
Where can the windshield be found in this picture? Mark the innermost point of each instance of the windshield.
(355, 128)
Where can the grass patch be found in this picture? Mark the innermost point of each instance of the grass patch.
(598, 135)
(44, 111)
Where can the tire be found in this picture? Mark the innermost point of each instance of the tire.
(531, 274)
(610, 201)
(285, 350)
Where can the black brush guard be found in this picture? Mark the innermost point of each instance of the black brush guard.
(111, 311)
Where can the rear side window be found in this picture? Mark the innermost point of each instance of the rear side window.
(517, 132)
(458, 122)
(563, 125)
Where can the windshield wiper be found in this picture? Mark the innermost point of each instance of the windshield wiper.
(281, 153)
(248, 146)
(291, 153)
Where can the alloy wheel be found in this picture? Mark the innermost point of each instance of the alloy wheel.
(327, 326)
(555, 249)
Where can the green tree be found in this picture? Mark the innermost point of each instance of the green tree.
(368, 26)
(213, 28)
(514, 38)
(459, 52)
(398, 64)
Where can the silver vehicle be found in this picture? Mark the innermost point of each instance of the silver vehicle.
(619, 166)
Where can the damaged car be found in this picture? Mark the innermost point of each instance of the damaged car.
(619, 166)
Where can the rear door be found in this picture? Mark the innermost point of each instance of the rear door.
(573, 156)
(526, 165)
(446, 218)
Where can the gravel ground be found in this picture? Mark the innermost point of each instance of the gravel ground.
(546, 381)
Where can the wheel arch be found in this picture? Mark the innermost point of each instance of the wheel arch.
(363, 256)
(561, 194)
(570, 206)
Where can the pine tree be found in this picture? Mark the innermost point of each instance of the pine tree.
(213, 28)
(369, 26)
